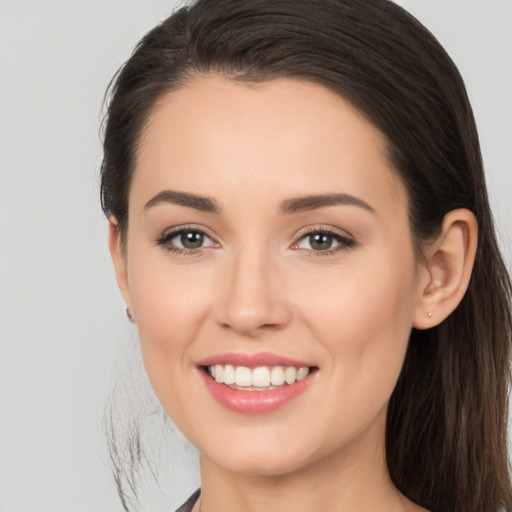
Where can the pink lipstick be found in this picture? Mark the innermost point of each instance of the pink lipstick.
(255, 383)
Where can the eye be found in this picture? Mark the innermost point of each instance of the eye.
(189, 239)
(323, 241)
(185, 240)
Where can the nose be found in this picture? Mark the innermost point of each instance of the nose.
(252, 299)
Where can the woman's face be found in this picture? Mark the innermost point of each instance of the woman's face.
(268, 230)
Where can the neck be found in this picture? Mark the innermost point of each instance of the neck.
(352, 478)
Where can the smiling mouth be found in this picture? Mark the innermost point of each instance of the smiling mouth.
(261, 378)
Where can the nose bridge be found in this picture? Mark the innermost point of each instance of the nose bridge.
(252, 298)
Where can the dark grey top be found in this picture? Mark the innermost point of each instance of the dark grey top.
(189, 504)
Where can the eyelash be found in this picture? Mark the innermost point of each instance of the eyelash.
(343, 242)
(165, 238)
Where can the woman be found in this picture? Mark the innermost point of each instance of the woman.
(300, 230)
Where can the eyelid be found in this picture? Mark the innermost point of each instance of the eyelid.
(346, 240)
(322, 228)
(168, 234)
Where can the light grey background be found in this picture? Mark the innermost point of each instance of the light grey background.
(62, 322)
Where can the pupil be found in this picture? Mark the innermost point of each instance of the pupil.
(192, 240)
(320, 241)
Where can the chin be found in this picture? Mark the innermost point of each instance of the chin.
(270, 465)
(263, 455)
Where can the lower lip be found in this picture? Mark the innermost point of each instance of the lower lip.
(255, 402)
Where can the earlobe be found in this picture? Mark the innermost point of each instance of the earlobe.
(449, 263)
(119, 260)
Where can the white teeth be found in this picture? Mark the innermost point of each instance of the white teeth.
(277, 376)
(302, 373)
(260, 377)
(290, 375)
(243, 376)
(229, 374)
(219, 373)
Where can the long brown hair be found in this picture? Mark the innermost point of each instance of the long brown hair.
(446, 440)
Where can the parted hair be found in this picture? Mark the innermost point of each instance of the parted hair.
(446, 433)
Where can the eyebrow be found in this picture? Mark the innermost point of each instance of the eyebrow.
(201, 203)
(306, 203)
(289, 206)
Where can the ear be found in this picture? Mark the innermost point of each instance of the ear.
(448, 266)
(119, 260)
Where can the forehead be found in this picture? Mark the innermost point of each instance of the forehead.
(287, 137)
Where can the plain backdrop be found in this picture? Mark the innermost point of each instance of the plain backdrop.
(63, 331)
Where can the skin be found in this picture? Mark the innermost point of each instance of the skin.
(257, 285)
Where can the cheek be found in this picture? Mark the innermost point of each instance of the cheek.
(170, 304)
(363, 322)
(370, 294)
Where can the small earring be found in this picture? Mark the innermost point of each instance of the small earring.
(429, 314)
(129, 315)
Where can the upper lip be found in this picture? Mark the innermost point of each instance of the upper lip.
(252, 360)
